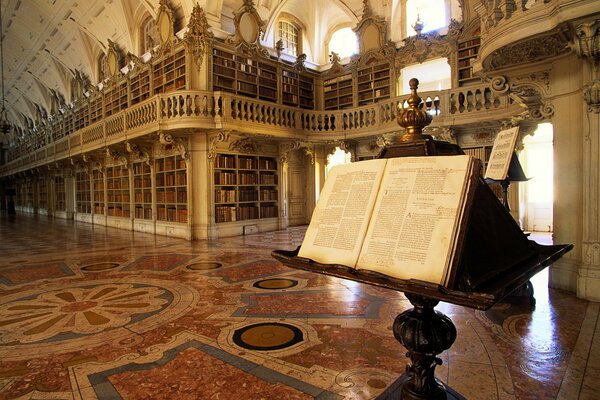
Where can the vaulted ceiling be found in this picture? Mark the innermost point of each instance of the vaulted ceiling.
(47, 42)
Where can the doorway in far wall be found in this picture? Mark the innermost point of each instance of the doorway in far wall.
(537, 194)
(338, 157)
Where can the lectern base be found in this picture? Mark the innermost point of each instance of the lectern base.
(394, 391)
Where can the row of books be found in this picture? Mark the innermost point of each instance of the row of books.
(171, 214)
(171, 197)
(118, 198)
(179, 179)
(142, 182)
(117, 184)
(118, 212)
(142, 197)
(143, 213)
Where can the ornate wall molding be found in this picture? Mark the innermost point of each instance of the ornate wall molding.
(529, 51)
(198, 35)
(221, 137)
(285, 149)
(587, 46)
(249, 28)
(245, 145)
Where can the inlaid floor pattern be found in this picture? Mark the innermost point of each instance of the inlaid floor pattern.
(88, 312)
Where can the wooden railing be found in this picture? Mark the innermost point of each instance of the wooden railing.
(221, 110)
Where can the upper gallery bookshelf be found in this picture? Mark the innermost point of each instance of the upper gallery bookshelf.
(246, 187)
(258, 79)
(142, 190)
(337, 92)
(171, 189)
(373, 84)
(140, 86)
(467, 54)
(169, 73)
(117, 185)
(83, 196)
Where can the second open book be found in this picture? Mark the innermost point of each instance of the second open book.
(401, 217)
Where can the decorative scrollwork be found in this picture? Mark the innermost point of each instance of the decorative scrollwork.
(245, 145)
(219, 138)
(500, 84)
(198, 34)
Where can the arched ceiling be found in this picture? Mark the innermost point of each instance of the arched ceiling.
(47, 42)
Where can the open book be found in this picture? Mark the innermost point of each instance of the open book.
(401, 217)
(502, 154)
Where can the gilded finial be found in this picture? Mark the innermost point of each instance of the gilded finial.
(413, 118)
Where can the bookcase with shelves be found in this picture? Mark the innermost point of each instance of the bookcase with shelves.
(373, 84)
(142, 191)
(337, 92)
(81, 117)
(99, 199)
(29, 194)
(95, 109)
(140, 86)
(289, 87)
(224, 71)
(117, 191)
(267, 82)
(258, 78)
(467, 54)
(115, 98)
(171, 189)
(42, 194)
(83, 197)
(169, 74)
(60, 193)
(245, 187)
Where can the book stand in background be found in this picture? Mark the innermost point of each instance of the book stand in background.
(496, 258)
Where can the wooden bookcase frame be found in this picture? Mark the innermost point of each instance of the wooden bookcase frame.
(170, 178)
(246, 187)
(118, 191)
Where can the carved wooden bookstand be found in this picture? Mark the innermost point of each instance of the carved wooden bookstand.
(496, 258)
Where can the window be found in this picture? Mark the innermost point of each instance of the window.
(148, 35)
(289, 34)
(432, 13)
(432, 75)
(343, 42)
(338, 157)
(101, 67)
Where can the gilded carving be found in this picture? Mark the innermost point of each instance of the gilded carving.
(221, 137)
(197, 35)
(286, 149)
(245, 145)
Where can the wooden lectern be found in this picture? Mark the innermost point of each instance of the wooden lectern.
(496, 258)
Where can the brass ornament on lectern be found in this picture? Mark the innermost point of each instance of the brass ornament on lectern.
(414, 118)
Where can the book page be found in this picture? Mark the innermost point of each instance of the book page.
(502, 152)
(339, 222)
(416, 216)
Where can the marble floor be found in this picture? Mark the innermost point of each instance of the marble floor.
(88, 312)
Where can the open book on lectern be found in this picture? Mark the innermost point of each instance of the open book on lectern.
(400, 217)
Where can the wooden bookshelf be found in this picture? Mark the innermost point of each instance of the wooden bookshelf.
(337, 92)
(83, 197)
(81, 117)
(67, 124)
(258, 78)
(267, 82)
(117, 191)
(142, 191)
(245, 187)
(139, 86)
(29, 194)
(115, 98)
(467, 54)
(60, 193)
(171, 189)
(99, 199)
(373, 84)
(96, 109)
(43, 194)
(169, 73)
(289, 87)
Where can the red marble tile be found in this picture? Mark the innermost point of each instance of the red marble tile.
(193, 374)
(20, 274)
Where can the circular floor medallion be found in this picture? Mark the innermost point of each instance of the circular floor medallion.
(267, 336)
(102, 266)
(273, 284)
(204, 266)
